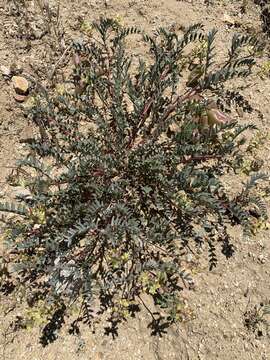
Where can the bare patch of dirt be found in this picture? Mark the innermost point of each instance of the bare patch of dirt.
(222, 298)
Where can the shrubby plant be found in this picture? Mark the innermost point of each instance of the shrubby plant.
(255, 319)
(126, 176)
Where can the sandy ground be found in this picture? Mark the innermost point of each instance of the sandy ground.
(220, 298)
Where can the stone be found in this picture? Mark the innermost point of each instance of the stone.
(261, 259)
(22, 193)
(228, 19)
(5, 71)
(20, 84)
(27, 134)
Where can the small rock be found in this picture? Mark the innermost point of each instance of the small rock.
(5, 70)
(20, 84)
(22, 193)
(20, 98)
(262, 245)
(27, 134)
(228, 19)
(261, 259)
(189, 258)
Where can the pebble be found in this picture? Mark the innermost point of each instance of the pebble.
(189, 258)
(27, 134)
(5, 71)
(21, 192)
(261, 259)
(20, 84)
(228, 19)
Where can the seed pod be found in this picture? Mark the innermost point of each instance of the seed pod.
(76, 60)
(194, 76)
(204, 121)
(217, 117)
